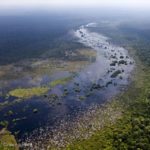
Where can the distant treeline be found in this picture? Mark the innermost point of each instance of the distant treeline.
(32, 36)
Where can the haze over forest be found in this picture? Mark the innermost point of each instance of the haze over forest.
(75, 74)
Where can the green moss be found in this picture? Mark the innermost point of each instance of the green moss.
(28, 92)
(60, 81)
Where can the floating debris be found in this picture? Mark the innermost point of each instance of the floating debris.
(35, 110)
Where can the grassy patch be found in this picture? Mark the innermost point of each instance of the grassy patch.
(60, 81)
(28, 92)
(87, 52)
(7, 141)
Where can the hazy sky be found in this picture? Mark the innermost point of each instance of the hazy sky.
(82, 3)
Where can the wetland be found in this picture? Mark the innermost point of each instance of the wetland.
(64, 76)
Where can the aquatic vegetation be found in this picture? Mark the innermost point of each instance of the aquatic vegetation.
(65, 89)
(28, 92)
(96, 86)
(85, 130)
(77, 84)
(37, 68)
(84, 126)
(115, 74)
(132, 130)
(88, 94)
(121, 57)
(131, 63)
(113, 63)
(18, 119)
(35, 110)
(7, 141)
(60, 81)
(124, 62)
(66, 93)
(53, 96)
(10, 113)
(108, 83)
(121, 77)
(77, 89)
(4, 123)
(3, 104)
(82, 98)
(88, 52)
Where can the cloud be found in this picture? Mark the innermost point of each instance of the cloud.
(79, 3)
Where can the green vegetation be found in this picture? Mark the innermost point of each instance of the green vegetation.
(7, 141)
(35, 110)
(132, 131)
(60, 81)
(88, 94)
(115, 74)
(53, 97)
(81, 98)
(65, 92)
(28, 92)
(122, 62)
(4, 123)
(18, 119)
(77, 89)
(114, 63)
(10, 113)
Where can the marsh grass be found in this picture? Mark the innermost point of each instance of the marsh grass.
(61, 81)
(7, 141)
(28, 92)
